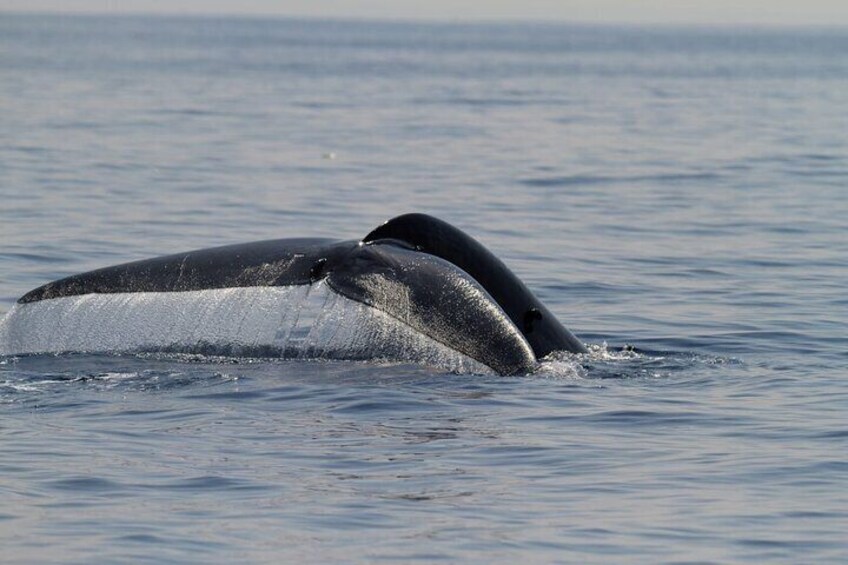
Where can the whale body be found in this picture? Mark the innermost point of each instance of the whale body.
(415, 289)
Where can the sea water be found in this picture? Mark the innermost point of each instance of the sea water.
(683, 191)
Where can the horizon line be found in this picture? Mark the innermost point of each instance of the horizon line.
(443, 20)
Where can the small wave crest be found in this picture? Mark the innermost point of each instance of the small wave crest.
(100, 372)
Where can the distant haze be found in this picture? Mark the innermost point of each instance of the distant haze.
(766, 12)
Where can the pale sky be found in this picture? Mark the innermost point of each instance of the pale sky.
(766, 12)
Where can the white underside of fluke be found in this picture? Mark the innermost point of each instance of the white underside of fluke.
(305, 321)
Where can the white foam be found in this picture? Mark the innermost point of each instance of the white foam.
(298, 321)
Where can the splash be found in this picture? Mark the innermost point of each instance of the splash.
(603, 352)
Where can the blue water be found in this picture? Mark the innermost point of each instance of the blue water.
(681, 190)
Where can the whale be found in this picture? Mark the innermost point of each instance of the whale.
(415, 289)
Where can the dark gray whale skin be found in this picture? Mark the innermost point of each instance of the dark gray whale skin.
(430, 235)
(414, 267)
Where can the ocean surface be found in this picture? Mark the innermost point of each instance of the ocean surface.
(683, 191)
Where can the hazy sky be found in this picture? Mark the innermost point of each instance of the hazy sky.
(834, 12)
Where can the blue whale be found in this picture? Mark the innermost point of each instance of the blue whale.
(414, 289)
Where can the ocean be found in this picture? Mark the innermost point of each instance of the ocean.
(677, 196)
